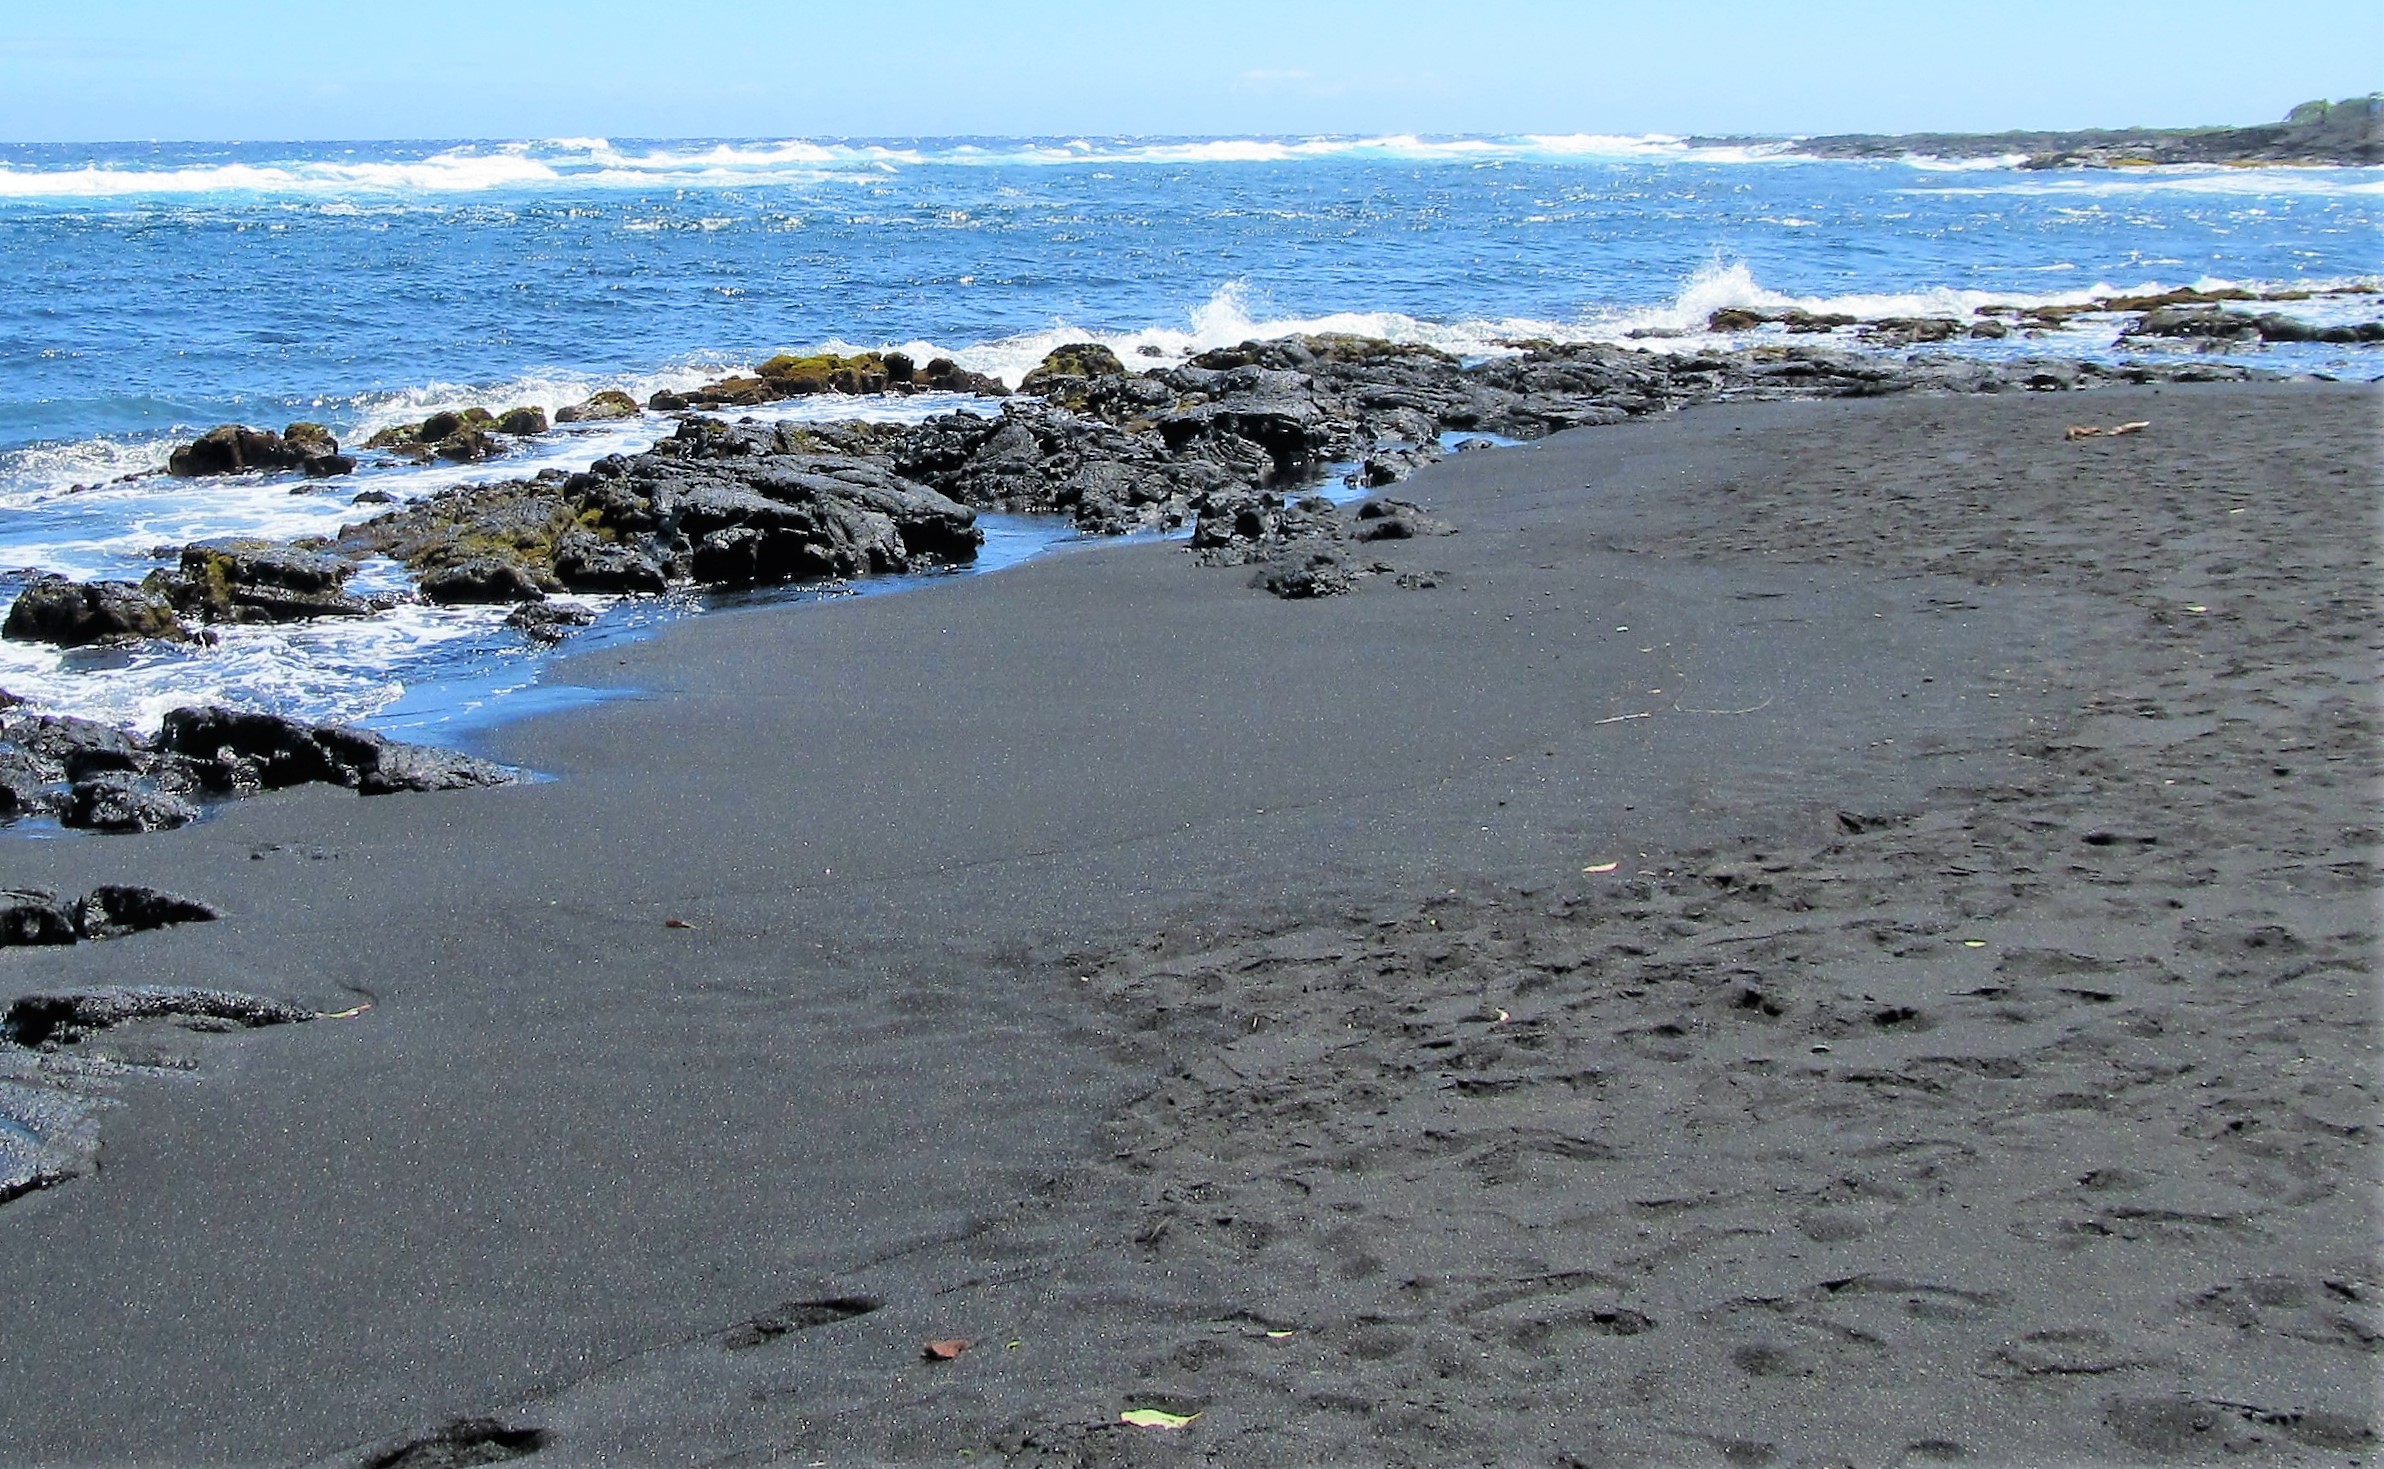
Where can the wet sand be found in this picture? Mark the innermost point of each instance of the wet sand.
(1830, 933)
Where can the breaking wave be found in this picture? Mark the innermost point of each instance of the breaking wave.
(600, 163)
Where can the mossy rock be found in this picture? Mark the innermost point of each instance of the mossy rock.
(434, 429)
(1075, 359)
(309, 440)
(736, 392)
(522, 422)
(1352, 348)
(828, 372)
(441, 426)
(516, 522)
(469, 443)
(609, 404)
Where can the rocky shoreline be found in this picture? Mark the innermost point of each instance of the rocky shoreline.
(1230, 444)
(2349, 133)
(1841, 932)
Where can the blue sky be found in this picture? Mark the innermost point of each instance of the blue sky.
(267, 69)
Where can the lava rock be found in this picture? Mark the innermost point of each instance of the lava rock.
(244, 749)
(244, 579)
(2212, 322)
(943, 375)
(31, 916)
(1074, 359)
(1382, 519)
(76, 614)
(309, 440)
(317, 451)
(66, 1017)
(548, 622)
(23, 786)
(586, 563)
(115, 909)
(481, 580)
(234, 448)
(119, 806)
(1305, 570)
(790, 375)
(62, 742)
(602, 407)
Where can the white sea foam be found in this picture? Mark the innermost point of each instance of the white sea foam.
(1227, 318)
(584, 163)
(446, 173)
(334, 671)
(599, 163)
(2120, 183)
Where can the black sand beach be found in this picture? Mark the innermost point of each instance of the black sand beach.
(1828, 933)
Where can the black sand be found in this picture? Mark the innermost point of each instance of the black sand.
(1970, 1056)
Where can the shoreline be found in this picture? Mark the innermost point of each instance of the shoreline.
(1129, 986)
(1219, 445)
(2318, 134)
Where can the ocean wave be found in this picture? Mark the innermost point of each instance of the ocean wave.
(2117, 183)
(599, 163)
(1228, 318)
(336, 672)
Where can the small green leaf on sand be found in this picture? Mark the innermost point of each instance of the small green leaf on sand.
(1154, 1418)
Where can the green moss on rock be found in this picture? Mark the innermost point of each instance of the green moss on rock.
(828, 372)
(1074, 360)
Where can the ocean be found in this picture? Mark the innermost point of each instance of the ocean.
(149, 291)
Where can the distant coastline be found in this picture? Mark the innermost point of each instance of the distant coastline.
(2349, 133)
